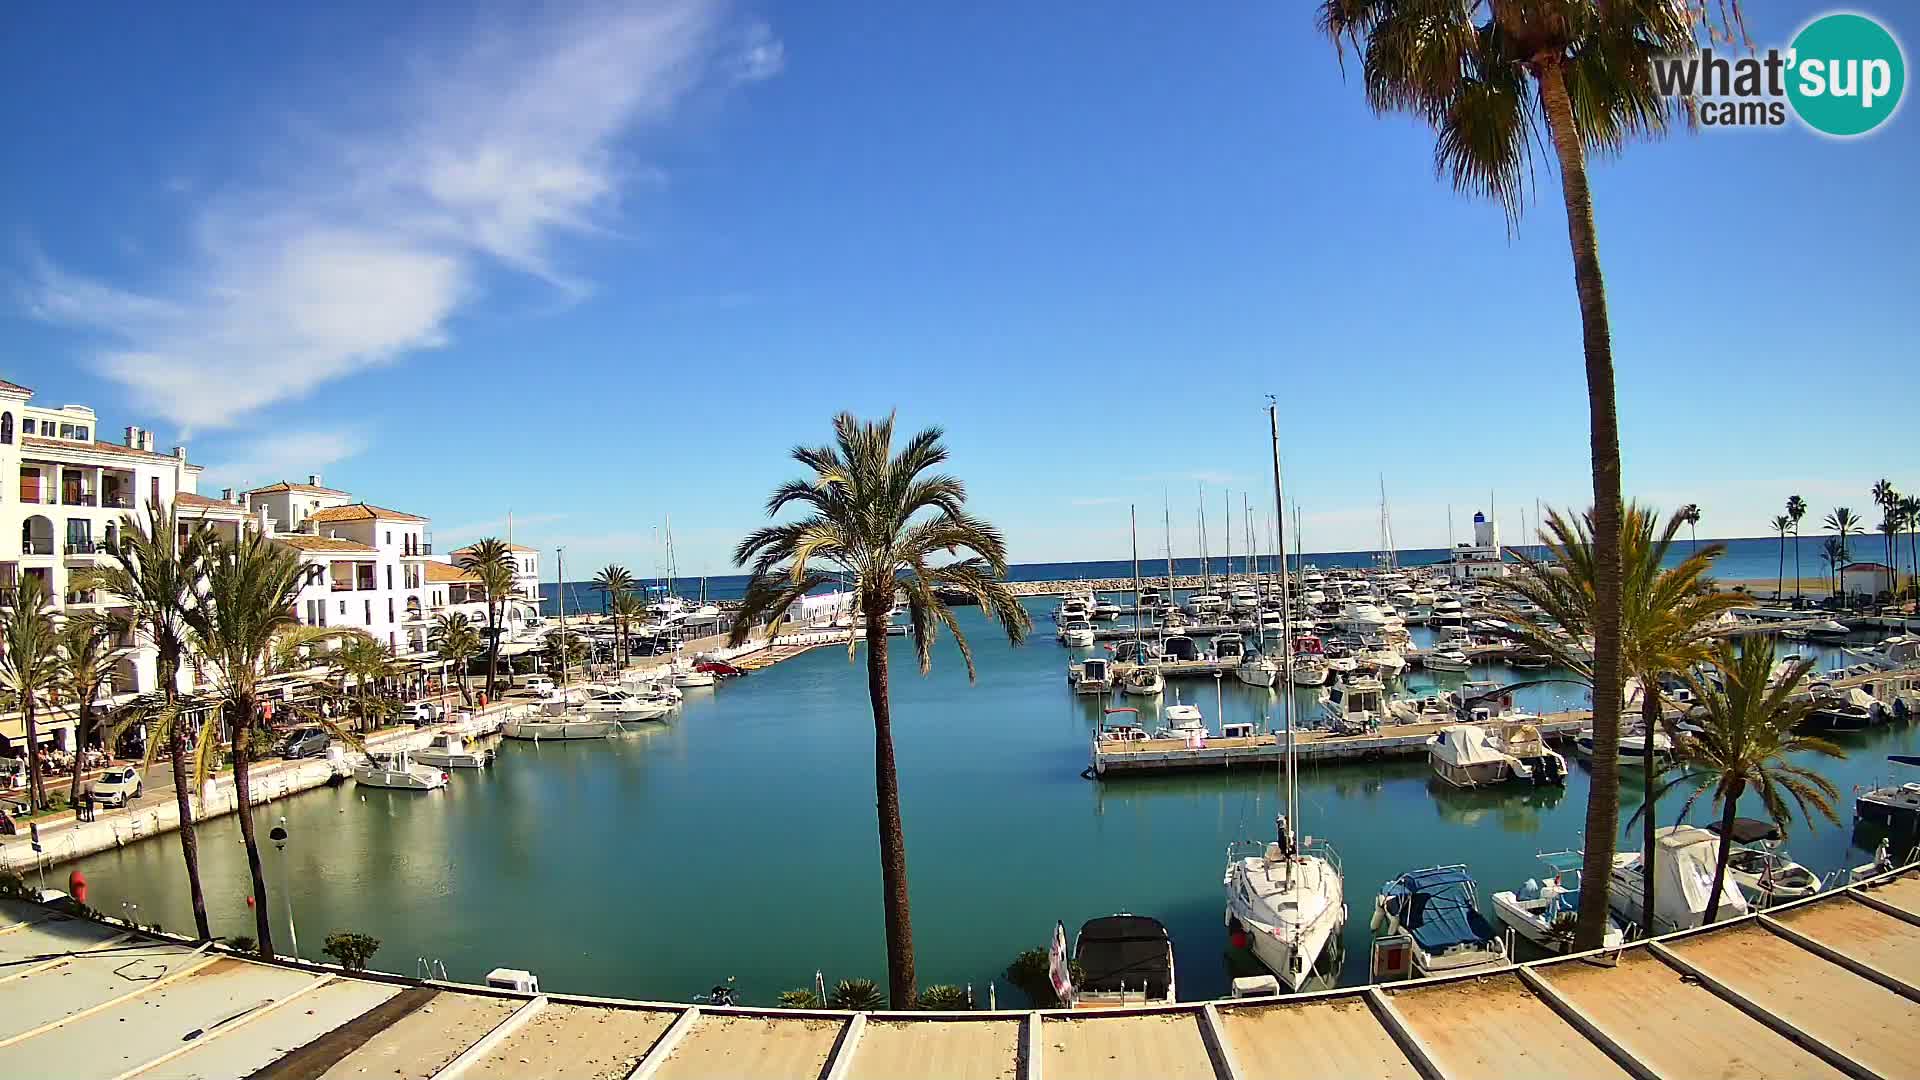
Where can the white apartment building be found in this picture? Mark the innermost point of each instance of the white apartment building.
(1480, 559)
(63, 496)
(456, 590)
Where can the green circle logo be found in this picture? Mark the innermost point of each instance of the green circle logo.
(1846, 75)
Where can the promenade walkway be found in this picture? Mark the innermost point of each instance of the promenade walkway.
(1827, 987)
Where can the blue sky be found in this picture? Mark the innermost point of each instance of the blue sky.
(603, 264)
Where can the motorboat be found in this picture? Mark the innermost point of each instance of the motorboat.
(1427, 709)
(1683, 864)
(1385, 659)
(1077, 634)
(615, 703)
(1362, 615)
(1632, 752)
(1182, 722)
(1447, 660)
(1842, 710)
(1309, 662)
(1072, 609)
(1467, 756)
(1528, 754)
(1122, 959)
(1105, 611)
(1897, 651)
(1093, 676)
(688, 676)
(1447, 611)
(1354, 705)
(1143, 681)
(1179, 647)
(1893, 806)
(1120, 731)
(553, 728)
(1437, 909)
(1257, 670)
(1206, 603)
(1760, 868)
(1529, 660)
(398, 770)
(453, 750)
(1244, 598)
(1288, 901)
(1229, 646)
(1829, 630)
(1544, 911)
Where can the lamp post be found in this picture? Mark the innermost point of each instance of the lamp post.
(279, 838)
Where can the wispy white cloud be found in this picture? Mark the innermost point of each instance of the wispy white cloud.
(283, 456)
(369, 243)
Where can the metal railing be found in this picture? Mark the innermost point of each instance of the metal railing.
(79, 498)
(117, 502)
(85, 547)
(36, 547)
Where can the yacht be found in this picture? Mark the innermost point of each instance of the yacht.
(452, 750)
(1105, 611)
(1843, 710)
(687, 676)
(1361, 615)
(1123, 959)
(1893, 806)
(1179, 647)
(1229, 646)
(1257, 670)
(1897, 651)
(1143, 681)
(398, 770)
(1093, 676)
(1466, 756)
(1760, 868)
(1544, 911)
(1354, 705)
(1528, 754)
(553, 728)
(1071, 609)
(1385, 659)
(1437, 910)
(1447, 660)
(621, 704)
(1447, 611)
(1633, 749)
(1683, 862)
(1076, 634)
(1309, 661)
(1182, 722)
(1204, 604)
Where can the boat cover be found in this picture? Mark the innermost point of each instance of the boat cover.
(1130, 949)
(1436, 907)
(1747, 830)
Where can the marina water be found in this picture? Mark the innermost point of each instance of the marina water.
(739, 839)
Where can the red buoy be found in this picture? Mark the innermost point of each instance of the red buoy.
(249, 901)
(77, 887)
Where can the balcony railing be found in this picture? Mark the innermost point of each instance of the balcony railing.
(343, 586)
(79, 498)
(36, 547)
(86, 547)
(117, 501)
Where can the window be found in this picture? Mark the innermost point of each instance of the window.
(368, 611)
(389, 609)
(81, 433)
(6, 427)
(156, 489)
(343, 609)
(389, 537)
(389, 569)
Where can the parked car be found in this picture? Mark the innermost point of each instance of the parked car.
(304, 743)
(423, 713)
(118, 786)
(538, 684)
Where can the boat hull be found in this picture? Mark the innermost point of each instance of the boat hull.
(559, 730)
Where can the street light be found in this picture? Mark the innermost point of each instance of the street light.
(279, 838)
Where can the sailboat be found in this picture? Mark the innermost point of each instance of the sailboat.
(1286, 895)
(554, 721)
(1144, 680)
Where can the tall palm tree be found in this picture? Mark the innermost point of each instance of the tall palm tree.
(1796, 509)
(457, 641)
(242, 610)
(882, 519)
(1836, 555)
(491, 561)
(88, 652)
(1782, 524)
(30, 668)
(628, 611)
(1887, 498)
(365, 661)
(1910, 513)
(1668, 619)
(612, 580)
(1844, 523)
(1489, 76)
(1746, 734)
(1690, 513)
(153, 574)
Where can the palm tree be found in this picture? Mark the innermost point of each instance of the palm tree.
(881, 519)
(1668, 618)
(1746, 721)
(612, 580)
(1845, 523)
(457, 641)
(1782, 524)
(1836, 555)
(30, 668)
(1796, 509)
(1890, 523)
(628, 610)
(153, 575)
(491, 561)
(1910, 513)
(366, 662)
(87, 655)
(1489, 76)
(1690, 513)
(242, 611)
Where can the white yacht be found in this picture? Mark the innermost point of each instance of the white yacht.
(1071, 609)
(1309, 661)
(453, 750)
(1205, 604)
(1357, 703)
(1093, 676)
(1438, 910)
(1361, 615)
(1447, 660)
(615, 703)
(1257, 670)
(1143, 681)
(1683, 861)
(398, 770)
(1632, 751)
(1386, 659)
(1182, 721)
(1544, 911)
(1466, 756)
(1076, 634)
(1105, 611)
(555, 728)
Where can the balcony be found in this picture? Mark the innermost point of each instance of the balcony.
(36, 546)
(342, 586)
(86, 547)
(117, 500)
(77, 497)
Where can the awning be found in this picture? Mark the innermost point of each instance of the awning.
(14, 729)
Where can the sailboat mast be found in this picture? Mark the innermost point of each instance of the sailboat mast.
(1133, 527)
(1286, 627)
(1226, 533)
(560, 574)
(1206, 569)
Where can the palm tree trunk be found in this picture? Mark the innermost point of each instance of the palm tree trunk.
(1780, 582)
(82, 728)
(1649, 719)
(886, 784)
(182, 790)
(1603, 799)
(1796, 562)
(493, 653)
(36, 784)
(243, 793)
(1726, 848)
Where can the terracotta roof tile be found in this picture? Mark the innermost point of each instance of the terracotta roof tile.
(96, 447)
(187, 500)
(361, 511)
(445, 572)
(284, 486)
(5, 385)
(304, 542)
